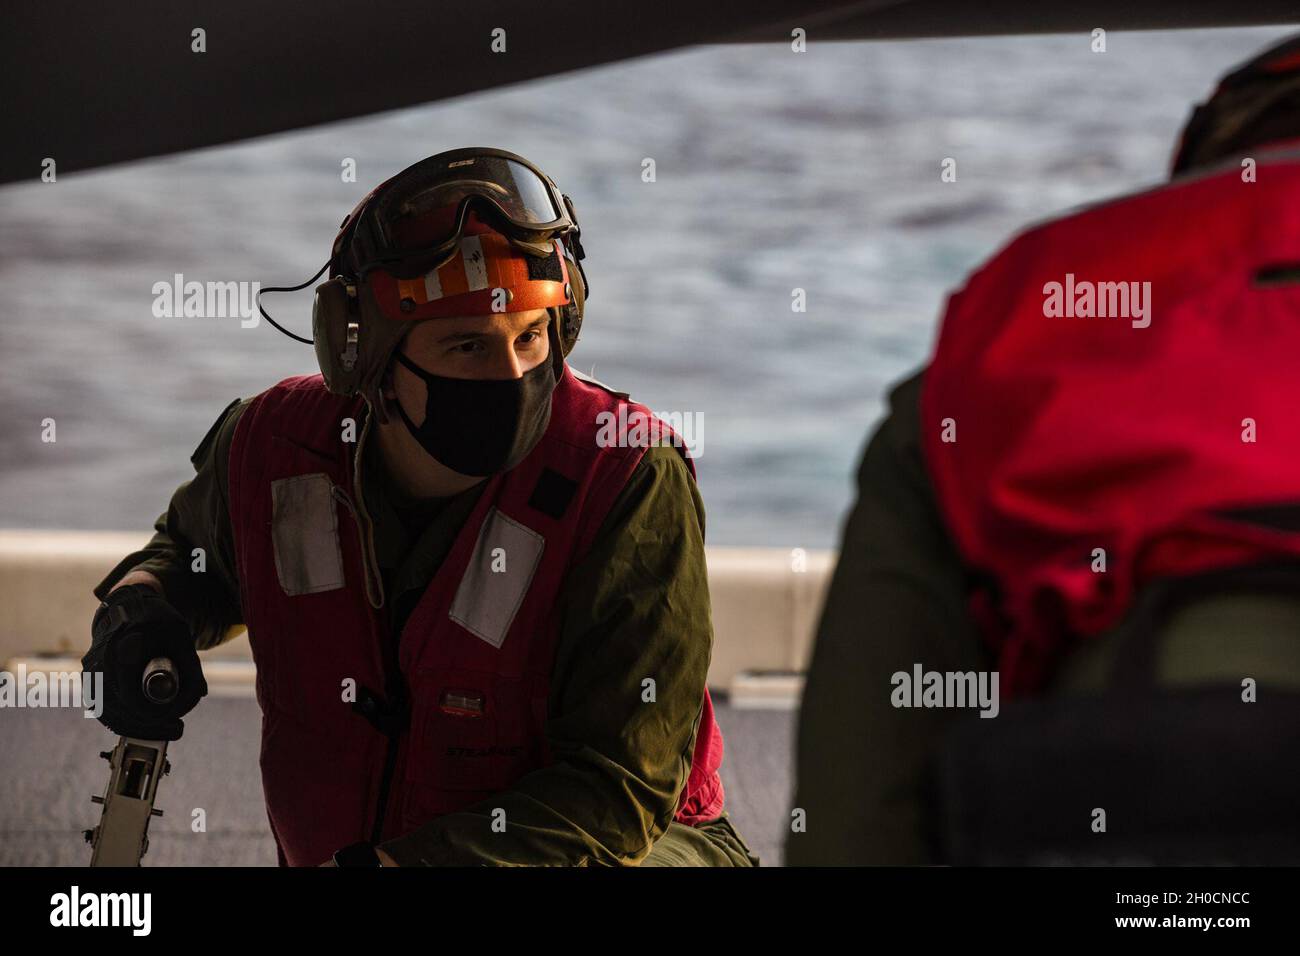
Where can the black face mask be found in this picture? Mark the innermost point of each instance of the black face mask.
(480, 427)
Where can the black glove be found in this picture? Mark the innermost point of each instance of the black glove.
(133, 625)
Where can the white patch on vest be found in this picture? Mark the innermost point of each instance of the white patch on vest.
(432, 286)
(305, 532)
(486, 602)
(471, 253)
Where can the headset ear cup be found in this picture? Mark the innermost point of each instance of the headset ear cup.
(570, 316)
(330, 316)
(566, 320)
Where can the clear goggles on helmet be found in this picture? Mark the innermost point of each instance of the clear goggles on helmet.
(415, 221)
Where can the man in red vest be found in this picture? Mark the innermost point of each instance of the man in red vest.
(473, 580)
(1074, 560)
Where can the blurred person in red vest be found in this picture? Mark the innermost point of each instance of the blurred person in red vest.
(1065, 622)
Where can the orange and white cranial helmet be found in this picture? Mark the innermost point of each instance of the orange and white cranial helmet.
(466, 232)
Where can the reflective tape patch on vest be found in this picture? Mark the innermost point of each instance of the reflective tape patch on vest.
(500, 571)
(305, 533)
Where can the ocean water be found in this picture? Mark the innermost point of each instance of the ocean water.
(774, 171)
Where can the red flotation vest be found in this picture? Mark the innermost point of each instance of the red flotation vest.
(1051, 430)
(476, 652)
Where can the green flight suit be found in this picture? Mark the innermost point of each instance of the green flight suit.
(636, 605)
(898, 596)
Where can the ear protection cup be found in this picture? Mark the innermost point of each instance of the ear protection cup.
(354, 340)
(566, 321)
(571, 315)
(331, 329)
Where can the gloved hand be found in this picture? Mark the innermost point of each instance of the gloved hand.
(133, 625)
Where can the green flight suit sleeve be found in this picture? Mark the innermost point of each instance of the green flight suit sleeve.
(897, 598)
(197, 517)
(635, 608)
